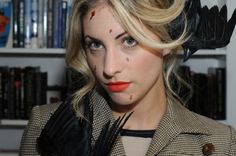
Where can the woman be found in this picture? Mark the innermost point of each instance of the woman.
(125, 53)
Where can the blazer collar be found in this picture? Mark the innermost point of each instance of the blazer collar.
(102, 114)
(177, 120)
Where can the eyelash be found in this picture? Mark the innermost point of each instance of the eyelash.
(90, 43)
(124, 41)
(128, 38)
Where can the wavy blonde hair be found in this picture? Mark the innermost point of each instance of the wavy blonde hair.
(154, 14)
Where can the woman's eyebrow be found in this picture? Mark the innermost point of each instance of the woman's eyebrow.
(91, 38)
(95, 39)
(121, 34)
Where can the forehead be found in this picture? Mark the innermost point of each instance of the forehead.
(99, 18)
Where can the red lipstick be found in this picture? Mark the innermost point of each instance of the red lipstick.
(118, 86)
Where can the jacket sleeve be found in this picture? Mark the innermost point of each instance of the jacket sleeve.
(233, 142)
(31, 132)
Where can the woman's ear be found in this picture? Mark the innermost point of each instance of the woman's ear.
(166, 51)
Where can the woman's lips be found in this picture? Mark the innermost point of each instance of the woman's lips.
(117, 86)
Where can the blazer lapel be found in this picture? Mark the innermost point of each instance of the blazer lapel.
(165, 133)
(102, 114)
(177, 120)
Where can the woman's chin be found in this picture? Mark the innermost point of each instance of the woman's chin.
(122, 100)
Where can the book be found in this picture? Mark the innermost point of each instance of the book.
(218, 92)
(50, 24)
(4, 70)
(45, 16)
(28, 23)
(15, 30)
(41, 7)
(221, 93)
(40, 88)
(56, 23)
(29, 89)
(200, 94)
(14, 94)
(1, 95)
(64, 7)
(18, 88)
(21, 23)
(34, 23)
(5, 18)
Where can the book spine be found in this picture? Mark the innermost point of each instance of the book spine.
(63, 22)
(5, 18)
(40, 23)
(5, 90)
(44, 78)
(40, 85)
(22, 104)
(34, 23)
(69, 8)
(29, 89)
(21, 23)
(221, 93)
(17, 91)
(1, 95)
(28, 23)
(11, 96)
(56, 23)
(50, 24)
(45, 16)
(15, 13)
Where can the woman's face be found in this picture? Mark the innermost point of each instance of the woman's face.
(127, 70)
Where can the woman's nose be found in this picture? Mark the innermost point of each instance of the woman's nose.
(112, 63)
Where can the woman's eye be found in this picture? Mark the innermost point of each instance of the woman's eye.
(94, 45)
(129, 41)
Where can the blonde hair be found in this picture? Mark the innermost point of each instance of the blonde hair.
(154, 14)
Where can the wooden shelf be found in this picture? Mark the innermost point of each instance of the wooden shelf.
(11, 122)
(209, 52)
(32, 52)
(56, 51)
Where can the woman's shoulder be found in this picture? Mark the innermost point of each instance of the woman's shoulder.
(219, 132)
(215, 126)
(46, 108)
(43, 112)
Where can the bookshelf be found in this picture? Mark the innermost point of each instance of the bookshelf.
(52, 61)
(59, 52)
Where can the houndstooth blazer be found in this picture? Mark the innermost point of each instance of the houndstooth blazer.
(180, 132)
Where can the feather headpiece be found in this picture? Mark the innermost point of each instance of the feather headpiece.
(208, 28)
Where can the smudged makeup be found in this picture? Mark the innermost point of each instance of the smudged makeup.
(131, 97)
(92, 15)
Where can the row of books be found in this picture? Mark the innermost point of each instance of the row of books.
(209, 91)
(23, 88)
(20, 90)
(35, 23)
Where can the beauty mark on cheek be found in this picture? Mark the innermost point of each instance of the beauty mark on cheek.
(110, 30)
(127, 59)
(131, 97)
(92, 15)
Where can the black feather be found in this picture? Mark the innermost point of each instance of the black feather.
(108, 136)
(208, 28)
(66, 134)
